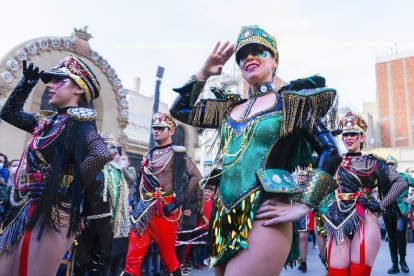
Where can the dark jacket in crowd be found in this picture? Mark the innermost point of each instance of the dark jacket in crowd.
(4, 196)
(190, 222)
(4, 173)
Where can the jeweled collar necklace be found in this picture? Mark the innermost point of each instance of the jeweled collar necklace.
(162, 149)
(261, 90)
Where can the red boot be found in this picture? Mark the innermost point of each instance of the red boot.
(360, 270)
(338, 272)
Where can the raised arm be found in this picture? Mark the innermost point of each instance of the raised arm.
(12, 111)
(186, 99)
(184, 108)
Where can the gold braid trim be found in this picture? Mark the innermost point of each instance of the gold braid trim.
(308, 104)
(85, 88)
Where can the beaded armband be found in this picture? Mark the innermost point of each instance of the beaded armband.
(318, 185)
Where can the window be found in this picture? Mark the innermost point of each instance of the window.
(135, 160)
(179, 137)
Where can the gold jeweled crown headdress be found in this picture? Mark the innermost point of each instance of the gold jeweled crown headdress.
(353, 123)
(162, 119)
(108, 137)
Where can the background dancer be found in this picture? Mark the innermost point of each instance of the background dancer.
(118, 190)
(351, 221)
(303, 224)
(167, 174)
(104, 208)
(263, 139)
(63, 157)
(396, 224)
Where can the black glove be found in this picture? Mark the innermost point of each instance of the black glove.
(211, 179)
(31, 75)
(372, 206)
(169, 208)
(36, 190)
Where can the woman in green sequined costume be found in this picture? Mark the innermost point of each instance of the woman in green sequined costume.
(261, 141)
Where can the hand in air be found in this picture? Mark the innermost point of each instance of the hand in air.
(31, 73)
(278, 212)
(216, 60)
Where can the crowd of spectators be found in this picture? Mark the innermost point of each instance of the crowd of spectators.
(191, 247)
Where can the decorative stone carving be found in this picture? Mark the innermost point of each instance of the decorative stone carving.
(122, 92)
(55, 42)
(43, 44)
(124, 102)
(117, 82)
(6, 77)
(122, 139)
(95, 55)
(67, 43)
(32, 48)
(21, 54)
(13, 65)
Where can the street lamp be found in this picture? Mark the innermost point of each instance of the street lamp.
(160, 73)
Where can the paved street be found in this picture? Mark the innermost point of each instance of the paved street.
(382, 263)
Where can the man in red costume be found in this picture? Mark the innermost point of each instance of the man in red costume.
(167, 176)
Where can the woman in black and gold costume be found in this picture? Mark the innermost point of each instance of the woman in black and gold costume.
(351, 222)
(262, 140)
(63, 156)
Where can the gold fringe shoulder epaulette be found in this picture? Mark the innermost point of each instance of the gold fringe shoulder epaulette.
(179, 149)
(374, 156)
(307, 104)
(210, 112)
(82, 114)
(214, 112)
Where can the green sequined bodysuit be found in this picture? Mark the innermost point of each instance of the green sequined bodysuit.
(256, 153)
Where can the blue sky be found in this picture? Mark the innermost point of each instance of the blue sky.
(337, 39)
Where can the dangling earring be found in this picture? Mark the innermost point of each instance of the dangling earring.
(274, 73)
